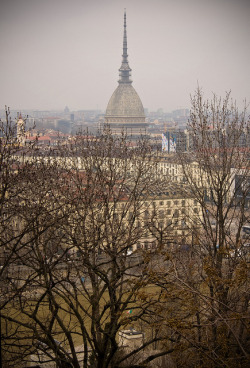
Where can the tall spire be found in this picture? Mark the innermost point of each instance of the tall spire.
(125, 69)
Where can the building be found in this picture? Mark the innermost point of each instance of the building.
(241, 187)
(175, 141)
(125, 111)
(20, 129)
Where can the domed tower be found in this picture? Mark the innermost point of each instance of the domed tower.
(125, 110)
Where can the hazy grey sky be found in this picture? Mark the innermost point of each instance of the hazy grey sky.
(67, 52)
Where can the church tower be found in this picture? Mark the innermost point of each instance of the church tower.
(125, 110)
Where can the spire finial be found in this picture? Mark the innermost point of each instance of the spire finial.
(125, 69)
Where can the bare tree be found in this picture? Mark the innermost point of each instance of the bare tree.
(211, 281)
(78, 217)
(82, 285)
(12, 171)
(26, 221)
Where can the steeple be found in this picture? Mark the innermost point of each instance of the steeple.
(125, 69)
(125, 110)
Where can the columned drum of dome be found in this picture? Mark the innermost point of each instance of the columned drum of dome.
(125, 110)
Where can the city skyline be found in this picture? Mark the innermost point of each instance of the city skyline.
(67, 53)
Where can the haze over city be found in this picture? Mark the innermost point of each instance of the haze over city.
(58, 53)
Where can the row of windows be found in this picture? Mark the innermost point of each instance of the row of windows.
(152, 244)
(147, 214)
(146, 245)
(162, 213)
(168, 203)
(164, 223)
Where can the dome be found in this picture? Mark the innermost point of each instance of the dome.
(125, 103)
(125, 110)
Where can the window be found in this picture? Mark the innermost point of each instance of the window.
(176, 213)
(130, 216)
(161, 214)
(161, 224)
(99, 217)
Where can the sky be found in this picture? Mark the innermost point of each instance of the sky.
(57, 53)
